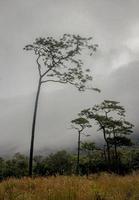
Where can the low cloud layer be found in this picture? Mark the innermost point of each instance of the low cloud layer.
(57, 110)
(115, 67)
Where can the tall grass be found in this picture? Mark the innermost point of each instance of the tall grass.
(103, 187)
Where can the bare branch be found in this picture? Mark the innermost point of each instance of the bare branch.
(58, 81)
(46, 71)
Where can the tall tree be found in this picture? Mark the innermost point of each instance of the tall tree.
(60, 61)
(79, 124)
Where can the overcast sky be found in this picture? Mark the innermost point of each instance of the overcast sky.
(114, 26)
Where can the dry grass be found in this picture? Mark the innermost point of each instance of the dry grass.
(103, 187)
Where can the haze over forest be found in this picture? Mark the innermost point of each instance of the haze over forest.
(114, 26)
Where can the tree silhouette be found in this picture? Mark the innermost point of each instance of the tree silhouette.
(110, 117)
(60, 61)
(79, 124)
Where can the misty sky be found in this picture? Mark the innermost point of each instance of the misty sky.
(114, 26)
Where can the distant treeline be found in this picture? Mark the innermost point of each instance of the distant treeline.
(64, 163)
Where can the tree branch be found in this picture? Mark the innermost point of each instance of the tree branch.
(52, 66)
(39, 66)
(46, 71)
(58, 62)
(58, 81)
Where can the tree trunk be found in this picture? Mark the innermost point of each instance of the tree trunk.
(78, 155)
(33, 128)
(105, 156)
(108, 148)
(108, 152)
(116, 155)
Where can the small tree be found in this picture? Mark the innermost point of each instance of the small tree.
(110, 117)
(60, 61)
(79, 124)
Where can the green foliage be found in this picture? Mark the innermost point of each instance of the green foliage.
(92, 160)
(88, 146)
(120, 141)
(17, 166)
(39, 166)
(58, 163)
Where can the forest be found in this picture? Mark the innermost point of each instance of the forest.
(92, 161)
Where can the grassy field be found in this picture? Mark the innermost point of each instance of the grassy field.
(103, 187)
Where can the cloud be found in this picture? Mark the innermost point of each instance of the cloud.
(114, 26)
(57, 109)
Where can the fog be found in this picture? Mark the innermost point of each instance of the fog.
(114, 26)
